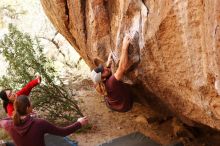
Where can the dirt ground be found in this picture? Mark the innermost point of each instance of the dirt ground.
(108, 124)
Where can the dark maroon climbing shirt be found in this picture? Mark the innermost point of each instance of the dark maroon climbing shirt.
(119, 96)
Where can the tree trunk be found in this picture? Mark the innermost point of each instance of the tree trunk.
(174, 55)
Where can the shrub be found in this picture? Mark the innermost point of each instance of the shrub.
(26, 59)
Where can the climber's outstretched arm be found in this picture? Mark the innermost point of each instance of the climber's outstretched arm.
(109, 61)
(123, 63)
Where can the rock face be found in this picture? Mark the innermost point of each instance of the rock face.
(175, 53)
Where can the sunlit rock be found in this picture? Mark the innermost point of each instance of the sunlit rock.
(174, 58)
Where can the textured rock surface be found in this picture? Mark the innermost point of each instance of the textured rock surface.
(177, 47)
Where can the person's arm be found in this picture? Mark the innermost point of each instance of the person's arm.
(10, 109)
(63, 131)
(109, 61)
(28, 87)
(5, 123)
(123, 59)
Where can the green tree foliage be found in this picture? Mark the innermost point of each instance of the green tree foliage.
(26, 59)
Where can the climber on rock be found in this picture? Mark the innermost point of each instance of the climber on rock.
(117, 94)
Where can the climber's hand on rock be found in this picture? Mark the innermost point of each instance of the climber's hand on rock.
(126, 41)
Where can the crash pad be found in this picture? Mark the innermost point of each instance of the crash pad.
(53, 140)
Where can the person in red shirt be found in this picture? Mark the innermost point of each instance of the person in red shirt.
(8, 96)
(26, 130)
(118, 95)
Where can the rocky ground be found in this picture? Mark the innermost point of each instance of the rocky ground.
(108, 124)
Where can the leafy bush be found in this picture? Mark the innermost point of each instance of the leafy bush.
(26, 59)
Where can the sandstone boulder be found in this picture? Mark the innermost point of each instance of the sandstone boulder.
(175, 55)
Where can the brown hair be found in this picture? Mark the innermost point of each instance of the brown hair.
(20, 105)
(100, 88)
(5, 99)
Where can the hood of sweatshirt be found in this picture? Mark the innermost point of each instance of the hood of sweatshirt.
(23, 128)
